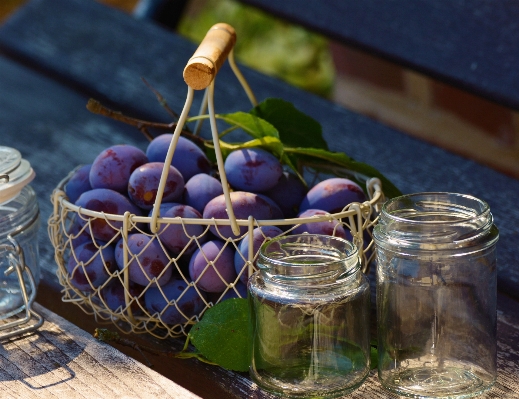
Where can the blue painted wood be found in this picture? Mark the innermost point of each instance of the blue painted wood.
(168, 13)
(473, 45)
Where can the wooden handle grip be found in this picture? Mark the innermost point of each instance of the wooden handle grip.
(201, 69)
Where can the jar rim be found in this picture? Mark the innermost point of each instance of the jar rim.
(467, 206)
(309, 256)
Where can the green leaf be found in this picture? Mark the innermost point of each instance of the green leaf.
(222, 335)
(269, 143)
(315, 157)
(252, 124)
(295, 128)
(374, 357)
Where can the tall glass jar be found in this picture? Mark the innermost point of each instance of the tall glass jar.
(19, 225)
(436, 295)
(310, 308)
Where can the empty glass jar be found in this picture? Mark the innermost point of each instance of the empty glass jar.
(436, 295)
(310, 308)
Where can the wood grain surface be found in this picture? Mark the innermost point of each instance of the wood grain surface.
(61, 360)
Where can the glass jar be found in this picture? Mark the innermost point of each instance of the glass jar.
(310, 306)
(436, 295)
(19, 225)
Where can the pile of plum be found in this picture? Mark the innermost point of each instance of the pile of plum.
(124, 178)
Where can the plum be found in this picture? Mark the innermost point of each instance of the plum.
(212, 266)
(332, 195)
(146, 262)
(252, 169)
(244, 204)
(144, 183)
(91, 266)
(201, 189)
(329, 227)
(188, 158)
(114, 165)
(78, 183)
(175, 302)
(110, 202)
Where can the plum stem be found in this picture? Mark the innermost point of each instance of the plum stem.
(96, 107)
(162, 101)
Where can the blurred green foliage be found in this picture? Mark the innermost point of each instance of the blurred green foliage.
(267, 44)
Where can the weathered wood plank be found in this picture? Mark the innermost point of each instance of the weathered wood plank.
(61, 360)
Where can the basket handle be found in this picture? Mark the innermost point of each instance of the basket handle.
(199, 74)
(202, 67)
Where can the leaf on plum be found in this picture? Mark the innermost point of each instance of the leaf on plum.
(315, 157)
(252, 124)
(222, 335)
(295, 128)
(271, 144)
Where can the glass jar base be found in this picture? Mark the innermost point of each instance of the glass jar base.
(324, 387)
(426, 382)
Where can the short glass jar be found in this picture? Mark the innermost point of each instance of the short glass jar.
(19, 225)
(436, 295)
(310, 307)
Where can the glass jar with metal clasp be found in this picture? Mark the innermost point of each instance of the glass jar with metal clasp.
(19, 258)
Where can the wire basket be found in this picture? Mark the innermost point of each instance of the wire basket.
(69, 224)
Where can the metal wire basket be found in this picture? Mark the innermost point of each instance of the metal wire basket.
(134, 316)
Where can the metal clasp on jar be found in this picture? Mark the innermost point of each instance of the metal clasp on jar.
(17, 264)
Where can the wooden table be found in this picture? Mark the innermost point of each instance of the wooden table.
(55, 54)
(62, 359)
